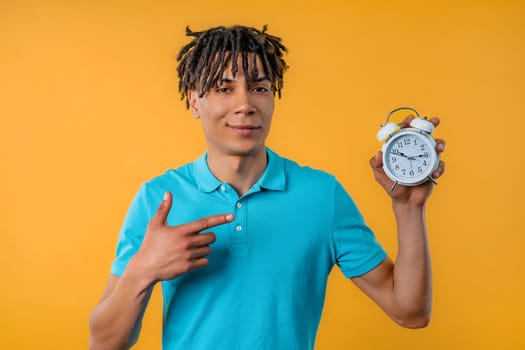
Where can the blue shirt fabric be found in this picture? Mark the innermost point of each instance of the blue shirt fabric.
(265, 284)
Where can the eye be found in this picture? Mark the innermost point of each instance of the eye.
(222, 90)
(260, 89)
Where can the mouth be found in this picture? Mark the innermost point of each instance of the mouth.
(244, 130)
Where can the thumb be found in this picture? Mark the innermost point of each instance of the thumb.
(377, 160)
(161, 216)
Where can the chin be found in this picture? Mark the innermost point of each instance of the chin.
(245, 150)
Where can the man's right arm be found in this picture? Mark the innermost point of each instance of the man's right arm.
(165, 253)
(116, 321)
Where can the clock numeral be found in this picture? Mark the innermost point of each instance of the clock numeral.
(411, 172)
(400, 144)
(419, 170)
(425, 163)
(396, 167)
(422, 146)
(406, 141)
(415, 142)
(404, 171)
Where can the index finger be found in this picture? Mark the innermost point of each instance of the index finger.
(435, 121)
(406, 122)
(204, 223)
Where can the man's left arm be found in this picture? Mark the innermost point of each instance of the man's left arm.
(404, 289)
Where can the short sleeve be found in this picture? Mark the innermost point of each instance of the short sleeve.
(356, 248)
(132, 231)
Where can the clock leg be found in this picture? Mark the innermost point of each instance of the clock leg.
(394, 186)
(432, 179)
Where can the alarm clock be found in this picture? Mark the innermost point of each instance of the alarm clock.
(409, 154)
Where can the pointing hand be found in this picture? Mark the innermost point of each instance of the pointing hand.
(169, 251)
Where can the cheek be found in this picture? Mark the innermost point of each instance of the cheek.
(213, 124)
(210, 125)
(212, 114)
(266, 108)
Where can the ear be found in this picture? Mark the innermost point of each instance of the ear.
(193, 97)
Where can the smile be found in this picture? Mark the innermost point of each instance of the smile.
(244, 130)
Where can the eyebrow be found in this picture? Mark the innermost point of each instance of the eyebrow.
(228, 80)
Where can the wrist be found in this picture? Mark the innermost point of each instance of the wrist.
(137, 274)
(408, 212)
(399, 204)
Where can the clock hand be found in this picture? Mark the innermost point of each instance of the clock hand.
(410, 159)
(397, 153)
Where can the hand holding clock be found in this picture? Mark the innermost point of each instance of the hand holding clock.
(415, 195)
(403, 287)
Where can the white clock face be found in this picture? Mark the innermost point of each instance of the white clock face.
(410, 157)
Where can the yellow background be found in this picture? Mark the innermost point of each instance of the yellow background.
(89, 109)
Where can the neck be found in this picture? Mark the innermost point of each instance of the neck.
(240, 171)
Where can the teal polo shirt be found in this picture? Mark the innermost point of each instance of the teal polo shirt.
(265, 284)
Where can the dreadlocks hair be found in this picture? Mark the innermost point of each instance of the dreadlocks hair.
(202, 62)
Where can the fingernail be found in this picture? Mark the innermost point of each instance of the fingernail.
(229, 217)
(165, 196)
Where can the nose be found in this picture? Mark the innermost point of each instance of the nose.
(243, 102)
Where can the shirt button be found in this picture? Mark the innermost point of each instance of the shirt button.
(238, 228)
(223, 188)
(239, 205)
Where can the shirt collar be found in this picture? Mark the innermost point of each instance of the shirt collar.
(273, 178)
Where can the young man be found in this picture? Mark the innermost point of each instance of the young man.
(258, 281)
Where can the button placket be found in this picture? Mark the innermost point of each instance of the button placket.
(239, 236)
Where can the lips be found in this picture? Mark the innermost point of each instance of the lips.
(249, 127)
(244, 130)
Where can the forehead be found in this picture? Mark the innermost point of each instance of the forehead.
(253, 63)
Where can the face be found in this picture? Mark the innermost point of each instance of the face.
(235, 117)
(409, 157)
